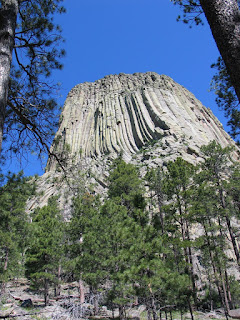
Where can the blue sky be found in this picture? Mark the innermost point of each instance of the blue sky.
(112, 36)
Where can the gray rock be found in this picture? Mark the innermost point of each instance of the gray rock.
(148, 117)
(127, 112)
(235, 313)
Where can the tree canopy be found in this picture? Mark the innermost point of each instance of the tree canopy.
(223, 18)
(29, 53)
(168, 246)
(44, 253)
(14, 227)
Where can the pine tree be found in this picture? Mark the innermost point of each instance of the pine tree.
(142, 263)
(154, 178)
(233, 189)
(211, 242)
(177, 186)
(87, 245)
(44, 254)
(13, 225)
(125, 187)
(214, 206)
(29, 52)
(216, 170)
(227, 99)
(223, 17)
(102, 237)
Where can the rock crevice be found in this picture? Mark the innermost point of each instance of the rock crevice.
(123, 113)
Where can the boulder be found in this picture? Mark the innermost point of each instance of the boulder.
(234, 313)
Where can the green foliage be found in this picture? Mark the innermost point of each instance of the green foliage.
(105, 238)
(114, 243)
(234, 188)
(179, 174)
(216, 173)
(235, 291)
(31, 108)
(177, 186)
(46, 248)
(200, 198)
(86, 240)
(214, 208)
(14, 226)
(192, 11)
(119, 246)
(125, 187)
(226, 97)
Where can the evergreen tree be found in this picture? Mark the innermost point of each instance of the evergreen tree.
(124, 233)
(222, 17)
(44, 255)
(214, 207)
(125, 187)
(216, 170)
(227, 99)
(211, 243)
(13, 225)
(28, 53)
(151, 269)
(118, 242)
(87, 243)
(154, 178)
(103, 237)
(177, 186)
(234, 188)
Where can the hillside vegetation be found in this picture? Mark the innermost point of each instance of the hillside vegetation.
(168, 242)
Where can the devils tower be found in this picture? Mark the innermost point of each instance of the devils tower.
(147, 117)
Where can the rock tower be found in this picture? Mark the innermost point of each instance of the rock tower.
(124, 113)
(147, 117)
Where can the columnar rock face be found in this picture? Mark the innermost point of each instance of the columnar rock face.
(123, 113)
(147, 117)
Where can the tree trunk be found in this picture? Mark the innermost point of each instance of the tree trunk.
(3, 287)
(230, 230)
(191, 267)
(8, 18)
(81, 292)
(188, 252)
(225, 295)
(160, 212)
(190, 309)
(154, 310)
(210, 292)
(121, 312)
(228, 292)
(58, 287)
(224, 20)
(233, 239)
(217, 268)
(95, 303)
(46, 292)
(181, 314)
(166, 317)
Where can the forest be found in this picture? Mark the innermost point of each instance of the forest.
(168, 240)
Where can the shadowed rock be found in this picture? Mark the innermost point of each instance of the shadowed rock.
(123, 113)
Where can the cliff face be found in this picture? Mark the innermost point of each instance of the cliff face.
(148, 117)
(123, 113)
